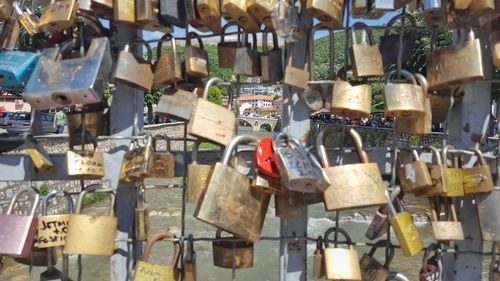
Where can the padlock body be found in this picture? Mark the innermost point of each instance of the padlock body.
(354, 102)
(146, 271)
(16, 68)
(329, 12)
(196, 61)
(126, 70)
(237, 10)
(454, 182)
(378, 226)
(342, 264)
(197, 181)
(162, 166)
(477, 179)
(178, 105)
(58, 16)
(447, 230)
(223, 254)
(205, 114)
(366, 61)
(403, 100)
(247, 62)
(124, 11)
(168, 70)
(406, 233)
(85, 164)
(318, 265)
(414, 176)
(262, 10)
(372, 270)
(20, 231)
(91, 235)
(296, 77)
(52, 231)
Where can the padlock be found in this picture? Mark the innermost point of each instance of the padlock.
(405, 230)
(341, 263)
(230, 252)
(286, 202)
(390, 45)
(438, 176)
(453, 176)
(173, 12)
(163, 163)
(19, 230)
(137, 161)
(80, 80)
(39, 156)
(264, 185)
(124, 12)
(146, 271)
(229, 202)
(193, 18)
(414, 176)
(205, 114)
(294, 76)
(434, 14)
(328, 12)
(461, 4)
(168, 66)
(11, 29)
(300, 171)
(190, 260)
(85, 164)
(148, 16)
(359, 8)
(178, 105)
(95, 123)
(128, 66)
(266, 163)
(238, 11)
(285, 20)
(456, 65)
(478, 179)
(58, 16)
(247, 60)
(373, 270)
(141, 216)
(197, 176)
(373, 13)
(101, 8)
(16, 68)
(487, 208)
(352, 185)
(226, 51)
(350, 101)
(404, 100)
(92, 235)
(6, 9)
(262, 10)
(319, 259)
(449, 229)
(196, 57)
(378, 226)
(271, 66)
(431, 266)
(495, 47)
(209, 10)
(366, 57)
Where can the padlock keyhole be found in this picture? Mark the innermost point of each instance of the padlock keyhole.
(61, 99)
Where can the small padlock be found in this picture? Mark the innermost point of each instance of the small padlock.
(478, 179)
(168, 66)
(328, 12)
(226, 51)
(190, 260)
(366, 57)
(209, 10)
(11, 28)
(238, 11)
(39, 156)
(445, 230)
(230, 252)
(163, 163)
(137, 161)
(404, 100)
(495, 47)
(196, 57)
(319, 259)
(247, 59)
(434, 14)
(124, 12)
(341, 263)
(453, 176)
(373, 270)
(85, 164)
(128, 66)
(177, 105)
(271, 66)
(437, 172)
(296, 77)
(197, 176)
(141, 216)
(414, 176)
(58, 16)
(487, 208)
(350, 101)
(262, 10)
(390, 43)
(286, 203)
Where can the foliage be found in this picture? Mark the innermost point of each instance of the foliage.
(214, 95)
(94, 198)
(43, 189)
(152, 97)
(205, 145)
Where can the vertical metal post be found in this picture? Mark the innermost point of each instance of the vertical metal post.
(125, 100)
(466, 131)
(295, 122)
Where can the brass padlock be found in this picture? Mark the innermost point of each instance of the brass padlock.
(350, 101)
(262, 10)
(92, 121)
(453, 175)
(319, 259)
(390, 43)
(286, 203)
(247, 59)
(413, 176)
(448, 229)
(190, 260)
(495, 47)
(163, 163)
(438, 177)
(146, 271)
(230, 252)
(192, 16)
(238, 11)
(58, 15)
(459, 64)
(373, 270)
(101, 8)
(266, 185)
(403, 100)
(124, 12)
(229, 202)
(296, 77)
(196, 57)
(352, 185)
(487, 208)
(6, 9)
(92, 235)
(39, 156)
(128, 66)
(197, 176)
(366, 57)
(141, 216)
(137, 161)
(328, 12)
(359, 8)
(148, 16)
(205, 114)
(85, 164)
(341, 263)
(209, 10)
(478, 179)
(226, 51)
(178, 105)
(271, 66)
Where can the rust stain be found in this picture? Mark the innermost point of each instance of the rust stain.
(466, 128)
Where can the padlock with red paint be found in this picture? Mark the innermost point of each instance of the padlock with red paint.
(265, 160)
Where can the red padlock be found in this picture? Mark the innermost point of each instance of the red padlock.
(266, 163)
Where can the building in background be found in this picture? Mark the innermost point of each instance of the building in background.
(13, 103)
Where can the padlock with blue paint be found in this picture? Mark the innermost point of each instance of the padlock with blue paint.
(16, 68)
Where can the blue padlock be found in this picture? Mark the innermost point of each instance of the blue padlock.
(16, 68)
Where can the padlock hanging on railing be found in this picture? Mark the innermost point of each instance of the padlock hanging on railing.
(58, 16)
(128, 66)
(163, 162)
(141, 215)
(478, 178)
(168, 69)
(372, 269)
(365, 56)
(228, 253)
(414, 175)
(341, 263)
(350, 100)
(447, 230)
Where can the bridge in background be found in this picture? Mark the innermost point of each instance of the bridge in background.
(258, 123)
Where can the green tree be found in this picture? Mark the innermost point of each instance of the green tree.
(214, 95)
(152, 97)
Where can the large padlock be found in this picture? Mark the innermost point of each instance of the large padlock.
(85, 164)
(58, 16)
(453, 175)
(271, 66)
(373, 270)
(39, 156)
(230, 252)
(229, 202)
(319, 259)
(294, 76)
(478, 179)
(238, 11)
(350, 101)
(262, 10)
(300, 171)
(190, 260)
(420, 123)
(434, 14)
(366, 57)
(448, 229)
(459, 64)
(495, 47)
(79, 80)
(390, 45)
(226, 51)
(128, 66)
(413, 176)
(6, 9)
(163, 162)
(16, 68)
(352, 185)
(205, 114)
(196, 57)
(168, 69)
(92, 235)
(328, 12)
(341, 263)
(173, 12)
(404, 100)
(141, 216)
(197, 176)
(146, 271)
(95, 123)
(177, 105)
(124, 12)
(19, 230)
(148, 16)
(247, 60)
(137, 161)
(487, 208)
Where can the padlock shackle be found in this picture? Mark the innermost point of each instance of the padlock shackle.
(341, 231)
(326, 131)
(405, 73)
(16, 196)
(413, 151)
(139, 41)
(422, 81)
(162, 236)
(445, 153)
(96, 187)
(211, 82)
(319, 243)
(224, 28)
(435, 153)
(383, 244)
(165, 137)
(244, 41)
(192, 35)
(331, 35)
(165, 38)
(93, 23)
(56, 193)
(405, 16)
(366, 32)
(241, 139)
(480, 156)
(265, 48)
